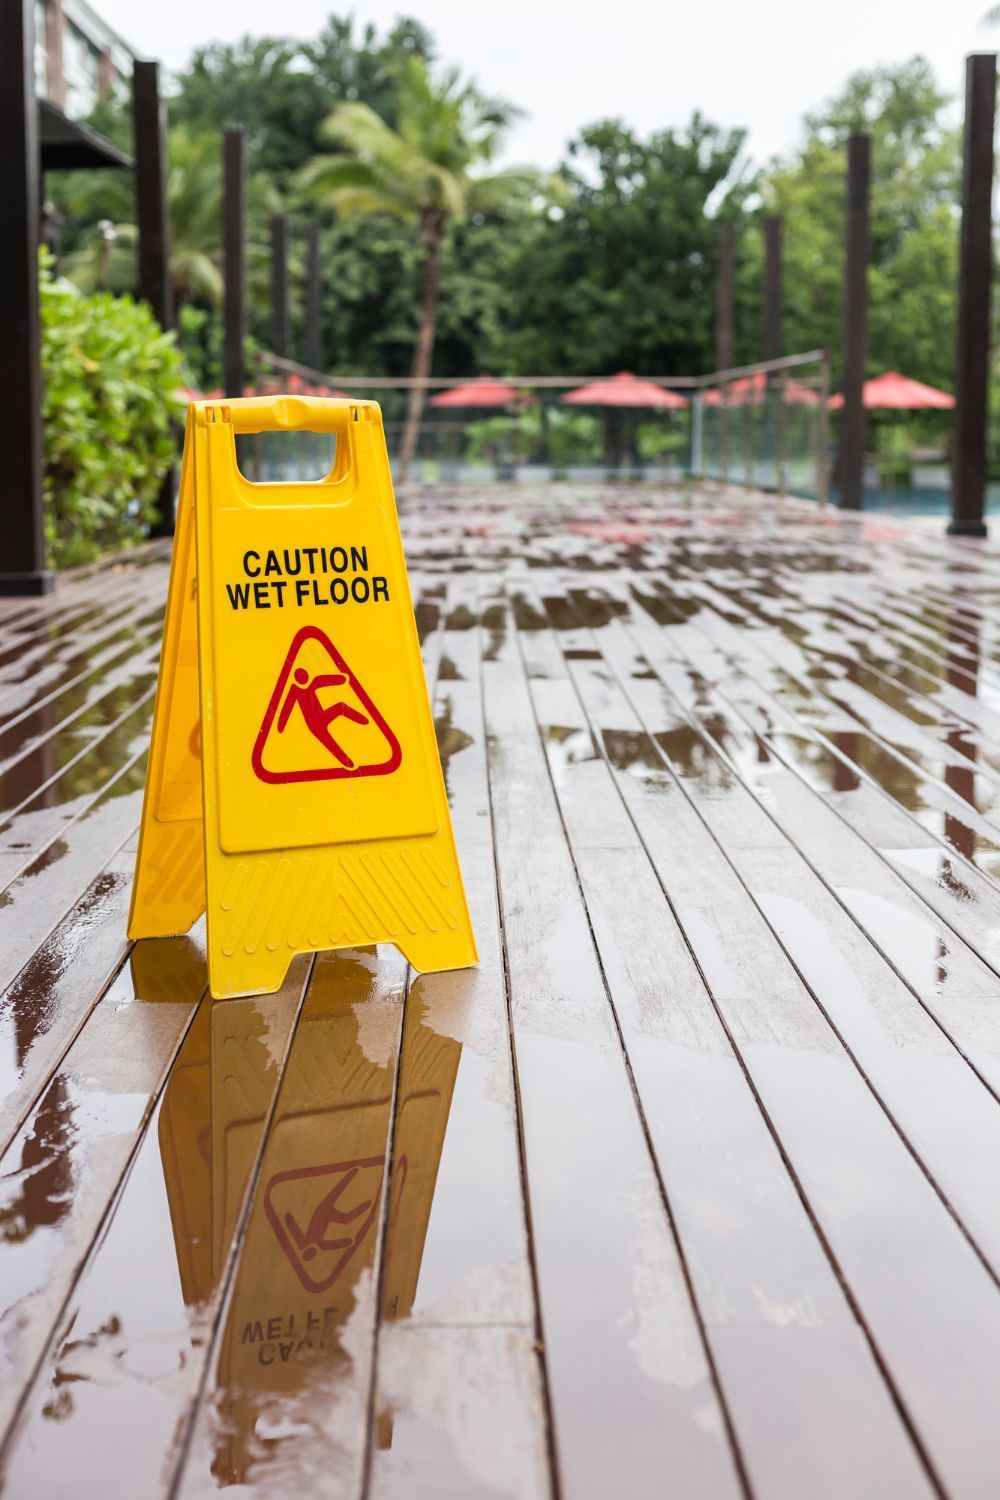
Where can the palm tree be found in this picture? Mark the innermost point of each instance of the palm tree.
(105, 259)
(430, 170)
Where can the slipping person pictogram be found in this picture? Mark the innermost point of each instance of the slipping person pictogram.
(296, 741)
(318, 1226)
(304, 695)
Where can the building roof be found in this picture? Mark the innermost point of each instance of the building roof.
(67, 144)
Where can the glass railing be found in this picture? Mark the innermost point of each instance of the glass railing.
(763, 426)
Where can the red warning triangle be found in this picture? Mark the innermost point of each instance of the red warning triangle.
(320, 1215)
(320, 724)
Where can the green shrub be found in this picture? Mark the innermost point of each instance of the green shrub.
(109, 411)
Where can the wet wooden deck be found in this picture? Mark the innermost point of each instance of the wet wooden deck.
(693, 1188)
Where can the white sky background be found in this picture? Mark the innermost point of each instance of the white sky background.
(757, 63)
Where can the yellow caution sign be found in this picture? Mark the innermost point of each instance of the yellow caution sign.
(294, 790)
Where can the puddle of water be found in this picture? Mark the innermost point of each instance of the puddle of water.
(289, 1380)
(111, 1402)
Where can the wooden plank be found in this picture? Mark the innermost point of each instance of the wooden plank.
(48, 752)
(21, 732)
(941, 1108)
(777, 1310)
(829, 1123)
(43, 1008)
(609, 1274)
(910, 732)
(456, 1065)
(98, 651)
(289, 1364)
(79, 609)
(175, 1217)
(960, 897)
(38, 897)
(73, 787)
(433, 1441)
(457, 1285)
(61, 1170)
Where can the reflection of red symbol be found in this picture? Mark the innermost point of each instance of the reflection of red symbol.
(337, 1222)
(296, 698)
(194, 740)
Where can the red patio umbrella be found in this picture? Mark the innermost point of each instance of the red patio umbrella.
(624, 390)
(894, 392)
(484, 392)
(620, 394)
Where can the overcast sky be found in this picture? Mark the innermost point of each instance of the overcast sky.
(758, 63)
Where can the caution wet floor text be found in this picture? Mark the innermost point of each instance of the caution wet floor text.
(294, 790)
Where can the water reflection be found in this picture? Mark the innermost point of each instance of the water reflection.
(67, 1158)
(110, 1405)
(290, 1380)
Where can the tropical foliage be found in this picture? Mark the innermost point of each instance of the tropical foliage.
(438, 259)
(109, 408)
(430, 170)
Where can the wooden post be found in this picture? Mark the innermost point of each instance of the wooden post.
(774, 392)
(724, 301)
(150, 144)
(280, 340)
(233, 215)
(772, 289)
(724, 334)
(149, 133)
(852, 415)
(968, 488)
(22, 535)
(314, 300)
(823, 434)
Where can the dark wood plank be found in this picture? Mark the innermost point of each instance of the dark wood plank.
(457, 1289)
(174, 1220)
(608, 1268)
(63, 1167)
(777, 1310)
(829, 1123)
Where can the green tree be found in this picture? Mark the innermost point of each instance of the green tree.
(282, 90)
(104, 205)
(110, 381)
(429, 171)
(623, 273)
(914, 226)
(372, 267)
(100, 214)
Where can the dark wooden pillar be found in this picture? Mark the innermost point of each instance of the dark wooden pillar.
(314, 300)
(22, 536)
(772, 289)
(149, 133)
(234, 258)
(968, 487)
(852, 416)
(150, 139)
(724, 298)
(724, 335)
(280, 340)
